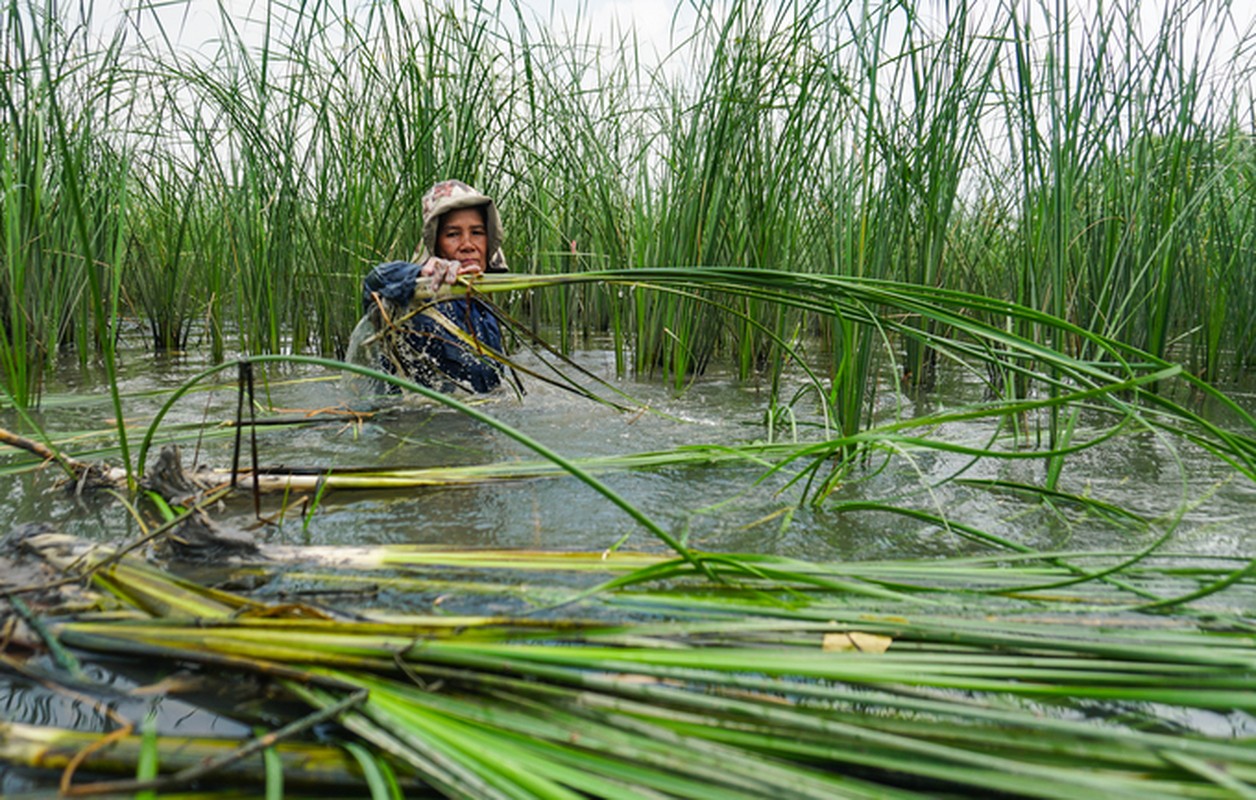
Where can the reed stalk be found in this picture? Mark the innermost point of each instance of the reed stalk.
(758, 688)
(305, 764)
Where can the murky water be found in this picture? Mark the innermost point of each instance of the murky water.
(724, 507)
(727, 507)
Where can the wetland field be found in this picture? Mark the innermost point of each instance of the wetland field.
(883, 423)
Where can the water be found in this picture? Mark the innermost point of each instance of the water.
(718, 507)
(725, 507)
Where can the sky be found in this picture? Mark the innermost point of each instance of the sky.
(651, 18)
(195, 22)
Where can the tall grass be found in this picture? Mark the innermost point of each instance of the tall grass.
(64, 194)
(1095, 168)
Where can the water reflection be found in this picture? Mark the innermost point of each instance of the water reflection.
(112, 698)
(717, 507)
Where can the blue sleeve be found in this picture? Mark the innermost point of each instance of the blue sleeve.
(393, 281)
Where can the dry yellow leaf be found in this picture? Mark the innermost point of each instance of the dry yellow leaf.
(855, 640)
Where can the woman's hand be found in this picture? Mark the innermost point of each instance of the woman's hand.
(442, 271)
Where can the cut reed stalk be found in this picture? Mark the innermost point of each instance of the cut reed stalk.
(305, 764)
(654, 702)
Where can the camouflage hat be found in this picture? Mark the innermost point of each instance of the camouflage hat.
(452, 195)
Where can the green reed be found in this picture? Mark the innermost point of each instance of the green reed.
(1078, 166)
(61, 228)
(786, 682)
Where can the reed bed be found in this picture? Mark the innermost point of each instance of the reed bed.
(1094, 168)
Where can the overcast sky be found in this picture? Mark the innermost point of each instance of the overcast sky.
(194, 23)
(196, 20)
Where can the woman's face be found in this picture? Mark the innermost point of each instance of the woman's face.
(462, 236)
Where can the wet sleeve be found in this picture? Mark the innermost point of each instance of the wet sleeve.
(393, 281)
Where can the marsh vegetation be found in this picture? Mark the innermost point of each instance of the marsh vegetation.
(975, 286)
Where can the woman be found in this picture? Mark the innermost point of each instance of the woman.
(420, 339)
